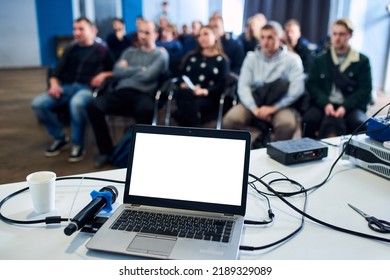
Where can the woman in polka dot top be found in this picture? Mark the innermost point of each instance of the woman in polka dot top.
(207, 68)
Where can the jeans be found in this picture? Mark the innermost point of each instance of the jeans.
(77, 97)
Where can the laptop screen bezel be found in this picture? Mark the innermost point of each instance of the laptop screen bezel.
(184, 204)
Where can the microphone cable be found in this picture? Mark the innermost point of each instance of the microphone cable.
(49, 219)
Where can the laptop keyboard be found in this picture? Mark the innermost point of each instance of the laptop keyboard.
(174, 225)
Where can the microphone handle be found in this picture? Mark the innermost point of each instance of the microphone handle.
(85, 215)
(90, 210)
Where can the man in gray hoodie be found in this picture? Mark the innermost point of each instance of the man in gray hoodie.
(137, 72)
(270, 82)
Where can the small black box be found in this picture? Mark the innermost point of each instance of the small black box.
(297, 150)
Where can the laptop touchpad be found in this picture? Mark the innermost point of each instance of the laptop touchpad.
(152, 245)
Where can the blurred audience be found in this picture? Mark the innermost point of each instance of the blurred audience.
(251, 36)
(134, 35)
(189, 40)
(118, 40)
(295, 42)
(169, 40)
(232, 47)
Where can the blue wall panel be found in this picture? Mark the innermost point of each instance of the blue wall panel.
(54, 18)
(131, 10)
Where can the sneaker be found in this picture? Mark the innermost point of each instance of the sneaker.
(76, 153)
(56, 148)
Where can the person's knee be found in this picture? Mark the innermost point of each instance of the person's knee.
(35, 104)
(285, 124)
(234, 118)
(38, 102)
(231, 122)
(80, 101)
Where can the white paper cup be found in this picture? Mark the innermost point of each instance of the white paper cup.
(42, 188)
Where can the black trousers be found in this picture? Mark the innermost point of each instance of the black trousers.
(316, 125)
(123, 102)
(194, 110)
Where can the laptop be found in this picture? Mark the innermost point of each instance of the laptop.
(184, 197)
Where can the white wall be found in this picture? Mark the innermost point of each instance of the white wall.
(19, 46)
(181, 12)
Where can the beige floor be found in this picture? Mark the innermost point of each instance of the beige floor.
(23, 140)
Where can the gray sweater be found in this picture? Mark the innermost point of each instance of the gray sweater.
(144, 70)
(258, 69)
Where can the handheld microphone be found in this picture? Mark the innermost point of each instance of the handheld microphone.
(101, 200)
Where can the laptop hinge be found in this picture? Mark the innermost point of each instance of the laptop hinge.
(228, 215)
(135, 205)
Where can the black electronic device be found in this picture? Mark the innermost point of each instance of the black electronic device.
(296, 150)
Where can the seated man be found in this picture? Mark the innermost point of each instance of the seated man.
(137, 73)
(270, 82)
(295, 42)
(231, 47)
(173, 46)
(251, 36)
(339, 85)
(118, 40)
(189, 41)
(84, 65)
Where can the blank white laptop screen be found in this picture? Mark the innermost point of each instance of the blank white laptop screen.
(190, 168)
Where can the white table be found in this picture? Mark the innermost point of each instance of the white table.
(348, 184)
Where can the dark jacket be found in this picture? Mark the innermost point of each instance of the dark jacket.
(235, 52)
(356, 68)
(81, 64)
(307, 56)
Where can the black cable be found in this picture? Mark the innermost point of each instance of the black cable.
(89, 178)
(49, 219)
(270, 213)
(344, 230)
(292, 234)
